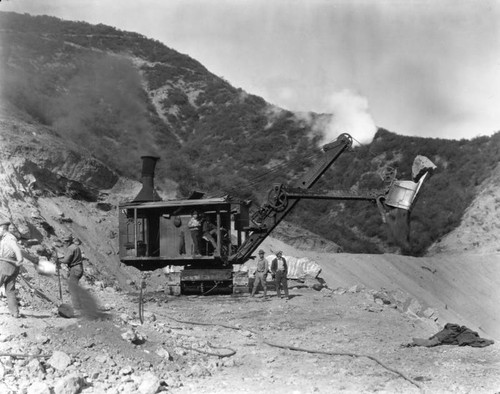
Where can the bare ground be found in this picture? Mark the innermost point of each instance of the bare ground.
(339, 339)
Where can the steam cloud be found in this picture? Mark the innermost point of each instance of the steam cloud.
(350, 115)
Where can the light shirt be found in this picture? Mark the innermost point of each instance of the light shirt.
(7, 246)
(281, 264)
(262, 265)
(194, 224)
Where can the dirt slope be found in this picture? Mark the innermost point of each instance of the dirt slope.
(462, 288)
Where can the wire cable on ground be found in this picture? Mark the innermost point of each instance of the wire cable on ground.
(342, 354)
(231, 351)
(298, 348)
(16, 355)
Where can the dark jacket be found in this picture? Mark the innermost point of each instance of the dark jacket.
(453, 334)
(208, 227)
(274, 266)
(73, 256)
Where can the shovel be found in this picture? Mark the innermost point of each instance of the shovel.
(58, 272)
(46, 268)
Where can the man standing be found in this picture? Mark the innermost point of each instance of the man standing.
(260, 274)
(73, 259)
(209, 231)
(194, 225)
(279, 270)
(9, 250)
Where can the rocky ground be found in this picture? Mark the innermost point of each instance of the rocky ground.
(342, 339)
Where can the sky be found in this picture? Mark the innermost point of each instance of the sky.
(427, 68)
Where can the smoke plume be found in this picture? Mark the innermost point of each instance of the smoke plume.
(350, 115)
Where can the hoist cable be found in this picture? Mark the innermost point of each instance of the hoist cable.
(259, 179)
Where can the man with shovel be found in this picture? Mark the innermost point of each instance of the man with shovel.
(10, 261)
(73, 259)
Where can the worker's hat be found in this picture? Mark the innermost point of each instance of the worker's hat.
(261, 251)
(279, 252)
(68, 238)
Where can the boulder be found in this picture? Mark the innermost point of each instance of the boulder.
(35, 388)
(302, 268)
(431, 313)
(163, 353)
(150, 383)
(34, 366)
(59, 360)
(103, 358)
(381, 297)
(134, 337)
(356, 288)
(413, 306)
(71, 384)
(66, 310)
(127, 370)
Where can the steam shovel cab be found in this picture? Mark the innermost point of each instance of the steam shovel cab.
(155, 234)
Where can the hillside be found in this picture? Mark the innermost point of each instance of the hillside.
(118, 95)
(479, 230)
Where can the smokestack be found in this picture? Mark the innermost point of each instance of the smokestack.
(148, 192)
